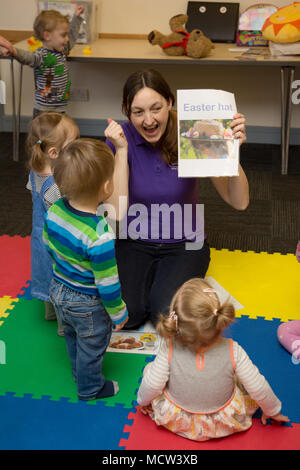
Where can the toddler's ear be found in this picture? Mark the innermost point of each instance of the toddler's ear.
(52, 153)
(106, 186)
(46, 36)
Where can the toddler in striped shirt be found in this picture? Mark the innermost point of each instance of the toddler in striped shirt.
(51, 72)
(85, 289)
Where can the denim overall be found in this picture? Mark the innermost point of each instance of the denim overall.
(41, 262)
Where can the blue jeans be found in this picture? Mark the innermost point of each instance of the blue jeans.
(87, 328)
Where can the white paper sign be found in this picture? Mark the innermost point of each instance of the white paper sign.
(206, 146)
(2, 92)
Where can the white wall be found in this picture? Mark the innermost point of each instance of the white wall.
(257, 90)
(114, 16)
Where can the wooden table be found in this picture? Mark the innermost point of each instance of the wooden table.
(141, 52)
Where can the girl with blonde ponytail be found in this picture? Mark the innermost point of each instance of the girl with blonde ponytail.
(202, 385)
(49, 132)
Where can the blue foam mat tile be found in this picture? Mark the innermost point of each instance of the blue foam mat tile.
(149, 359)
(259, 339)
(26, 292)
(31, 424)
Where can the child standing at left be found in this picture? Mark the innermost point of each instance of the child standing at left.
(51, 74)
(49, 132)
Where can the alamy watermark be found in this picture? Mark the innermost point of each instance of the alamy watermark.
(2, 352)
(157, 222)
(296, 93)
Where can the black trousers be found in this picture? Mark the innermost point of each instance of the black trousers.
(151, 273)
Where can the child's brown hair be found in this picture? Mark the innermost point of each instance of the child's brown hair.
(47, 129)
(48, 20)
(197, 317)
(82, 169)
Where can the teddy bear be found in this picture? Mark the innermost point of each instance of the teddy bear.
(180, 41)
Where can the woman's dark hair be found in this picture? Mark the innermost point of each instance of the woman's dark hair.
(153, 79)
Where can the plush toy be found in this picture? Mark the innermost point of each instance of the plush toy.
(180, 42)
(284, 25)
(34, 44)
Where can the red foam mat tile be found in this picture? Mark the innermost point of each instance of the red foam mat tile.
(144, 434)
(14, 264)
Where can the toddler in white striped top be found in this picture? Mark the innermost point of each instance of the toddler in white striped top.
(48, 134)
(51, 72)
(201, 385)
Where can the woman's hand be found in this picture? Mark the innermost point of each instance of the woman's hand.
(115, 134)
(238, 126)
(119, 199)
(235, 190)
(278, 417)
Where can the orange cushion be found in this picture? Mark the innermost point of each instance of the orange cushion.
(284, 25)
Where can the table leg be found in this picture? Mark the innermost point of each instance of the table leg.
(287, 77)
(14, 116)
(19, 111)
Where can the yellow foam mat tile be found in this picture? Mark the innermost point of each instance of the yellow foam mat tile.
(6, 305)
(267, 285)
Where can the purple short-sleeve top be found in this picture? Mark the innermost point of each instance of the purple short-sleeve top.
(163, 208)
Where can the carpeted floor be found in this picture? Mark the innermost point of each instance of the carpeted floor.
(270, 224)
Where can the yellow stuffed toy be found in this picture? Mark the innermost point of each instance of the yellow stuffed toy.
(180, 42)
(34, 44)
(284, 25)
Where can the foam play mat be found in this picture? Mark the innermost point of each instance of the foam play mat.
(267, 285)
(39, 408)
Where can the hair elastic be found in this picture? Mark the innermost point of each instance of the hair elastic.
(39, 141)
(215, 311)
(174, 318)
(211, 292)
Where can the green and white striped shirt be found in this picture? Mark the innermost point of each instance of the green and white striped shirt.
(82, 247)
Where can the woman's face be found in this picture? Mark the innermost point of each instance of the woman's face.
(150, 114)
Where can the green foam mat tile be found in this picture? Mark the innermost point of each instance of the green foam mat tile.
(37, 362)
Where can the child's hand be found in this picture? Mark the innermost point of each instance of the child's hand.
(120, 326)
(298, 252)
(278, 417)
(4, 51)
(6, 48)
(238, 126)
(79, 10)
(115, 134)
(146, 410)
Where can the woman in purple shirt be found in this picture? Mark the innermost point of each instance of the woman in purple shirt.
(161, 241)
